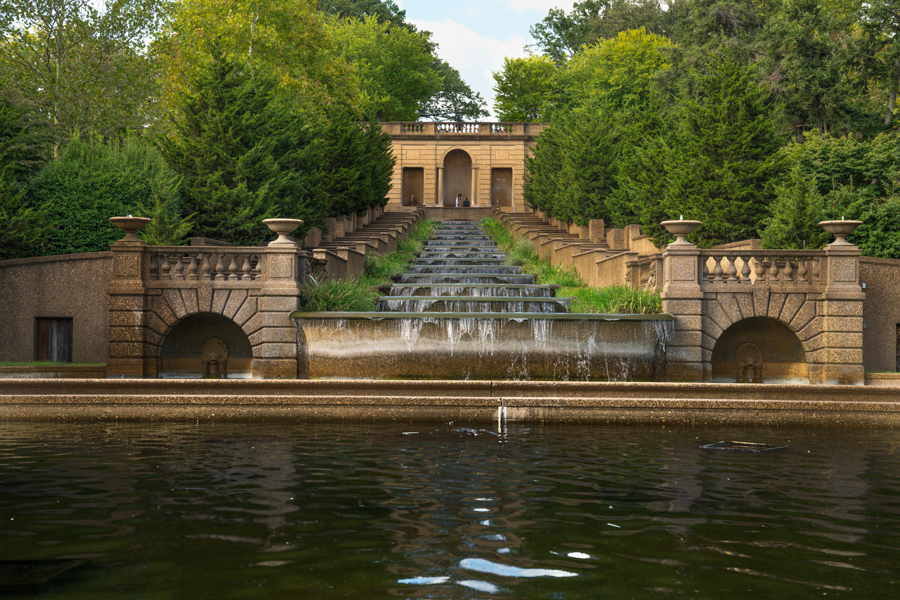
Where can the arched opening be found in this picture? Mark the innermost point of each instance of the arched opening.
(759, 349)
(206, 345)
(457, 177)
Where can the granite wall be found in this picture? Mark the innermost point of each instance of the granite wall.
(66, 286)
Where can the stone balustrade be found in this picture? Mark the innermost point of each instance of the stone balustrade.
(459, 129)
(758, 267)
(193, 264)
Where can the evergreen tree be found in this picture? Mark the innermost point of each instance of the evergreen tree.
(237, 149)
(356, 165)
(720, 161)
(22, 228)
(795, 215)
(92, 181)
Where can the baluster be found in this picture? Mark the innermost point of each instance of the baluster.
(773, 270)
(221, 275)
(731, 271)
(788, 274)
(745, 270)
(801, 269)
(192, 269)
(154, 266)
(717, 269)
(706, 272)
(256, 267)
(233, 268)
(245, 269)
(178, 270)
(760, 269)
(166, 267)
(205, 268)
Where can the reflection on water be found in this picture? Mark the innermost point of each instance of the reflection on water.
(351, 511)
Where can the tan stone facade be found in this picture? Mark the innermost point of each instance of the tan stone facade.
(481, 162)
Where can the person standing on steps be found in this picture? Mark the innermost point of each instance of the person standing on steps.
(458, 198)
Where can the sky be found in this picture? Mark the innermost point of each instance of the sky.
(474, 36)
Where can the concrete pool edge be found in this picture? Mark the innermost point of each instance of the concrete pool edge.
(472, 401)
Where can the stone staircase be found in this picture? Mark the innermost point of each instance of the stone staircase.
(461, 270)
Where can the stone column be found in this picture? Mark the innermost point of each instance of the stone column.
(440, 187)
(128, 352)
(271, 331)
(838, 358)
(472, 201)
(682, 297)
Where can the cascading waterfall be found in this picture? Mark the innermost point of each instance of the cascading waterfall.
(460, 313)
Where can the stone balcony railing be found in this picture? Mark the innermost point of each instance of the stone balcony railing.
(458, 129)
(762, 267)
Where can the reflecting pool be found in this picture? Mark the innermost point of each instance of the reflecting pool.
(306, 510)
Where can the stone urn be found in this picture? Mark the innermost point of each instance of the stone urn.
(681, 229)
(283, 227)
(840, 230)
(130, 225)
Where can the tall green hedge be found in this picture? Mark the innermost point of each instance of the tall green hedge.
(90, 182)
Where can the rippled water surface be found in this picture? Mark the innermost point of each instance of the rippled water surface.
(437, 511)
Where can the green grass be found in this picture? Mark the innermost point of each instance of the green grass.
(48, 363)
(617, 299)
(360, 294)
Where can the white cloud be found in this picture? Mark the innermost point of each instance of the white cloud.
(472, 54)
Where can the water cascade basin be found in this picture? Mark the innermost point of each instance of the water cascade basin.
(442, 345)
(460, 313)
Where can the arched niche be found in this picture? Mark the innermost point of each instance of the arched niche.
(206, 345)
(457, 176)
(759, 349)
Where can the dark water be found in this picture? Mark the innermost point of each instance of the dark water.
(373, 511)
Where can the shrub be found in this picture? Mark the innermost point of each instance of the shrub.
(93, 181)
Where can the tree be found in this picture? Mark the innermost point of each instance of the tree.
(881, 54)
(286, 39)
(560, 35)
(393, 65)
(385, 11)
(618, 70)
(807, 67)
(355, 166)
(455, 101)
(85, 69)
(235, 146)
(719, 161)
(22, 228)
(526, 89)
(90, 182)
(795, 215)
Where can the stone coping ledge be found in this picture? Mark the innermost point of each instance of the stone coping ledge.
(587, 390)
(833, 409)
(36, 260)
(376, 316)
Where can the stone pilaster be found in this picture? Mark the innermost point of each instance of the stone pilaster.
(128, 353)
(271, 331)
(683, 299)
(838, 359)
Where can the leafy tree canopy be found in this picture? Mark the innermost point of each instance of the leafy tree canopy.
(526, 89)
(86, 70)
(394, 66)
(287, 39)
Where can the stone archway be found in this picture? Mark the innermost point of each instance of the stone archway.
(457, 177)
(205, 345)
(759, 350)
